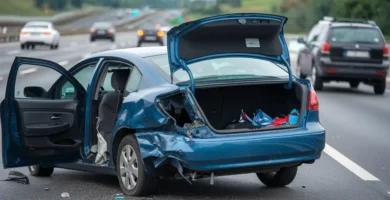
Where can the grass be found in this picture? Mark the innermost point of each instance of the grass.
(248, 6)
(21, 8)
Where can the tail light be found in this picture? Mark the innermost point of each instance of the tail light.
(24, 33)
(313, 101)
(46, 33)
(140, 33)
(110, 31)
(385, 52)
(93, 30)
(160, 34)
(325, 48)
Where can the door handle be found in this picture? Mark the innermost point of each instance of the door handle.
(55, 117)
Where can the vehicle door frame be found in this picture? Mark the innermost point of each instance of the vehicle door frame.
(10, 116)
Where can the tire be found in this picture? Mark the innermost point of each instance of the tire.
(281, 178)
(161, 43)
(380, 88)
(318, 83)
(22, 46)
(52, 46)
(32, 47)
(92, 40)
(112, 39)
(299, 71)
(139, 44)
(37, 170)
(57, 46)
(145, 183)
(354, 84)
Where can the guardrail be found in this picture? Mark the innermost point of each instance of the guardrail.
(11, 34)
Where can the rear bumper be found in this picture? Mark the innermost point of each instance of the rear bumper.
(244, 152)
(347, 70)
(106, 36)
(144, 39)
(37, 40)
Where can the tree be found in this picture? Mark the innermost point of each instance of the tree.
(57, 4)
(77, 3)
(39, 3)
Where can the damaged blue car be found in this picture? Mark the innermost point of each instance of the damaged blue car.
(220, 100)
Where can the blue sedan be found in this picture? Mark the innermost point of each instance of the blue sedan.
(220, 99)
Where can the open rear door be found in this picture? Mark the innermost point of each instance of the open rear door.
(40, 127)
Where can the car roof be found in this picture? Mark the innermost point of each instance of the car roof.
(39, 23)
(343, 24)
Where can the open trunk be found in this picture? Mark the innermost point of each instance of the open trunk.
(222, 106)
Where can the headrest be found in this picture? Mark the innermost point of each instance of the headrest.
(119, 79)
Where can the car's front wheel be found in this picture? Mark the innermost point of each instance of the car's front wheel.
(280, 178)
(38, 170)
(380, 87)
(132, 176)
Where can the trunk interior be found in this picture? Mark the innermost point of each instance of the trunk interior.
(223, 105)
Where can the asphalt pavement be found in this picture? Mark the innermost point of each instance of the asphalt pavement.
(354, 165)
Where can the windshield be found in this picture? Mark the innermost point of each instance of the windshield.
(356, 34)
(223, 68)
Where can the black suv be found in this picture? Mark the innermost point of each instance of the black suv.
(349, 50)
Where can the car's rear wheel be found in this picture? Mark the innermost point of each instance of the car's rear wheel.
(37, 170)
(22, 46)
(380, 87)
(139, 44)
(354, 84)
(132, 176)
(32, 47)
(52, 46)
(317, 80)
(280, 178)
(92, 39)
(299, 71)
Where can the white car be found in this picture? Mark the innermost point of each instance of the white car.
(39, 33)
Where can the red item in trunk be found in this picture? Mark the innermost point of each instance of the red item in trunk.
(279, 121)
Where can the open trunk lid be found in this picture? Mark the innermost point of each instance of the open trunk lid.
(246, 35)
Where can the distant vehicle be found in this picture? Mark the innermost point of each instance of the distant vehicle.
(36, 33)
(142, 118)
(350, 50)
(103, 30)
(150, 35)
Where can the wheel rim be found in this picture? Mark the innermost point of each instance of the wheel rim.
(313, 75)
(128, 167)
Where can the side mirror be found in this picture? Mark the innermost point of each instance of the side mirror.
(301, 41)
(34, 92)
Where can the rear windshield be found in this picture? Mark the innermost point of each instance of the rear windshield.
(37, 26)
(102, 25)
(223, 68)
(356, 34)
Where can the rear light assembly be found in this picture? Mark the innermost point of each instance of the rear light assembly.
(160, 34)
(140, 33)
(381, 73)
(313, 103)
(24, 33)
(46, 33)
(93, 30)
(325, 48)
(385, 52)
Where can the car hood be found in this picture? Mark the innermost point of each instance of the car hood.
(249, 35)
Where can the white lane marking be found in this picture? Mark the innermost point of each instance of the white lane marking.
(113, 46)
(63, 63)
(13, 52)
(87, 55)
(28, 71)
(349, 164)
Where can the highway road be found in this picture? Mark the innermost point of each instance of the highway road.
(354, 165)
